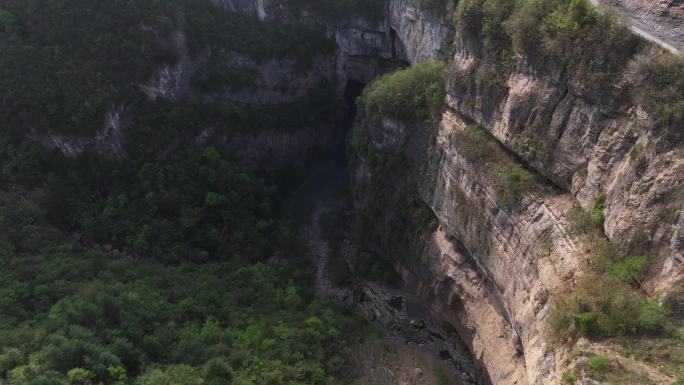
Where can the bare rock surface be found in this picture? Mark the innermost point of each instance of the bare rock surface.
(660, 21)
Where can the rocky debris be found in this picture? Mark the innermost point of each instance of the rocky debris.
(409, 327)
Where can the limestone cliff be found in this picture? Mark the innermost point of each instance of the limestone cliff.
(489, 268)
(493, 270)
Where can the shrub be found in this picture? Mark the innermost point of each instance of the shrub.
(8, 22)
(598, 364)
(442, 379)
(629, 270)
(413, 95)
(469, 14)
(562, 26)
(597, 215)
(675, 301)
(490, 77)
(602, 307)
(80, 376)
(524, 26)
(217, 372)
(511, 181)
(483, 19)
(569, 377)
(660, 86)
(531, 145)
(596, 44)
(580, 221)
(653, 318)
(476, 145)
(10, 358)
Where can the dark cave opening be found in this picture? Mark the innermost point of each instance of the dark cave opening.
(325, 176)
(352, 91)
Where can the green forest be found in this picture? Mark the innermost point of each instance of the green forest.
(77, 314)
(181, 269)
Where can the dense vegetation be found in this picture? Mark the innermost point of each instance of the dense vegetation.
(593, 45)
(662, 89)
(609, 301)
(74, 314)
(175, 265)
(509, 179)
(337, 10)
(588, 47)
(606, 303)
(391, 218)
(412, 95)
(65, 62)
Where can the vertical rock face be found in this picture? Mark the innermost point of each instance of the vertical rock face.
(172, 81)
(660, 18)
(492, 270)
(108, 141)
(525, 253)
(585, 140)
(423, 34)
(365, 50)
(489, 269)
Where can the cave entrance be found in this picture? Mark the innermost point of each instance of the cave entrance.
(325, 176)
(352, 91)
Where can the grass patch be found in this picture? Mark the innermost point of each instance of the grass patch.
(569, 378)
(598, 364)
(442, 379)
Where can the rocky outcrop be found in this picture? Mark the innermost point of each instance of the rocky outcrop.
(489, 269)
(587, 144)
(172, 80)
(365, 49)
(107, 142)
(268, 148)
(422, 35)
(273, 81)
(492, 269)
(659, 20)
